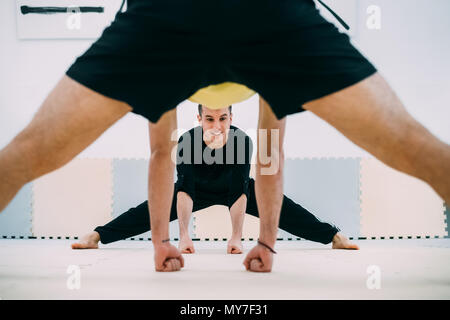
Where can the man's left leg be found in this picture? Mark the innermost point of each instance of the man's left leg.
(371, 115)
(300, 222)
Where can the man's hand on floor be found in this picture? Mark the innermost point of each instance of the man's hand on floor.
(259, 259)
(168, 258)
(234, 246)
(186, 245)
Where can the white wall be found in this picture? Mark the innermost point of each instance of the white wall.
(411, 50)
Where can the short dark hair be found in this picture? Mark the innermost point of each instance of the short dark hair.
(200, 109)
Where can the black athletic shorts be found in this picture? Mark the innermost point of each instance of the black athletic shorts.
(158, 53)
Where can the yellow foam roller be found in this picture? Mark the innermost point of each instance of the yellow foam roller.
(222, 95)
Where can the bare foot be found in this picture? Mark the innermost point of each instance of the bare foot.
(341, 242)
(89, 241)
(234, 246)
(186, 245)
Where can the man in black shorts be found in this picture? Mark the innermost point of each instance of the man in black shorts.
(159, 53)
(223, 181)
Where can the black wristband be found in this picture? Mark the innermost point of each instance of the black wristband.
(165, 240)
(265, 245)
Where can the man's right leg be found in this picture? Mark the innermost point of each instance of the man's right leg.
(69, 120)
(131, 223)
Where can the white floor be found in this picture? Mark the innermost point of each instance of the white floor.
(407, 269)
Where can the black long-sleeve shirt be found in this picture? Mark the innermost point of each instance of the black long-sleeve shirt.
(214, 174)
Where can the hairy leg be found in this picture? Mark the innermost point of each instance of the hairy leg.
(371, 115)
(70, 119)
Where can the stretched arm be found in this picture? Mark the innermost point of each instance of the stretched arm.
(237, 213)
(268, 186)
(184, 211)
(239, 191)
(160, 191)
(241, 169)
(185, 190)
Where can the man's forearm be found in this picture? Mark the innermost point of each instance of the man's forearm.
(160, 194)
(269, 195)
(237, 212)
(184, 211)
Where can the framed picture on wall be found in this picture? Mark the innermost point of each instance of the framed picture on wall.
(64, 19)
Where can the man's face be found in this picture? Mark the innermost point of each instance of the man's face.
(215, 124)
